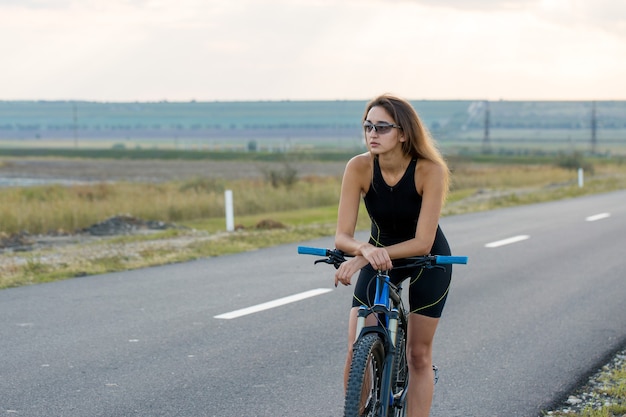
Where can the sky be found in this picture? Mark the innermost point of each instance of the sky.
(231, 50)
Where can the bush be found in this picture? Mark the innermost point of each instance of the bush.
(573, 161)
(288, 176)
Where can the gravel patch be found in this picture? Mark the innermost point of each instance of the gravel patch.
(94, 243)
(114, 226)
(592, 394)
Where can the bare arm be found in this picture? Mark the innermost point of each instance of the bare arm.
(352, 187)
(355, 182)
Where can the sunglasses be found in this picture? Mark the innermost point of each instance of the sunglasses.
(380, 128)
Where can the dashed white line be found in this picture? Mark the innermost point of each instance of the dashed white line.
(507, 241)
(596, 217)
(272, 304)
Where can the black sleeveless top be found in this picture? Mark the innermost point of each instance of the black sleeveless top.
(394, 210)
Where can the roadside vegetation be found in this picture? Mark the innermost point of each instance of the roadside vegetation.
(59, 209)
(603, 396)
(278, 207)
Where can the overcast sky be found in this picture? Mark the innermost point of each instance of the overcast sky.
(205, 50)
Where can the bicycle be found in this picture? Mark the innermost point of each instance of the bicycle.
(379, 377)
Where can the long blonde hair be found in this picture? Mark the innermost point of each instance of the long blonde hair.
(419, 142)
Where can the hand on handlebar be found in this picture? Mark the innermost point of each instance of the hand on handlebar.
(348, 268)
(377, 257)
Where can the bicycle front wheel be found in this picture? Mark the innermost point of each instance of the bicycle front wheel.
(364, 380)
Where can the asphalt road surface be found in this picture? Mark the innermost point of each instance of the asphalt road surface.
(537, 309)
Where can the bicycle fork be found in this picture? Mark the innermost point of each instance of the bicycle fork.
(387, 397)
(387, 330)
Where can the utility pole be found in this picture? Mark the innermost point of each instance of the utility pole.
(75, 114)
(486, 140)
(594, 128)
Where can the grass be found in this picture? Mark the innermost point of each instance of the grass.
(303, 211)
(56, 208)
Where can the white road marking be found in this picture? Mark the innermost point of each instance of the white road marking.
(272, 304)
(508, 241)
(598, 217)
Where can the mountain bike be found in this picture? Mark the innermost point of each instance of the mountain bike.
(379, 377)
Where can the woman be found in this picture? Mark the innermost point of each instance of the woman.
(403, 180)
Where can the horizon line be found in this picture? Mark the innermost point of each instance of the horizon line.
(286, 100)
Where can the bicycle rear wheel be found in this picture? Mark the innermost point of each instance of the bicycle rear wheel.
(362, 395)
(400, 376)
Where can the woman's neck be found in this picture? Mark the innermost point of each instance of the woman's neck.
(393, 163)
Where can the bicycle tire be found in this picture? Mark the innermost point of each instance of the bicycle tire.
(400, 375)
(400, 365)
(368, 353)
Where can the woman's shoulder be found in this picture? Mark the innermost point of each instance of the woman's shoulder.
(428, 167)
(359, 172)
(432, 175)
(361, 162)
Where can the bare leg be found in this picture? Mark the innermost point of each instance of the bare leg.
(421, 331)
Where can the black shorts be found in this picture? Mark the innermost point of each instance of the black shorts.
(428, 288)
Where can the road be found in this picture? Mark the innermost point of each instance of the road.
(539, 306)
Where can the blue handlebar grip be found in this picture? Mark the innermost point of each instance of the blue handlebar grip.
(451, 259)
(305, 250)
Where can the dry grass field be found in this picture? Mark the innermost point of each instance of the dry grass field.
(46, 231)
(152, 170)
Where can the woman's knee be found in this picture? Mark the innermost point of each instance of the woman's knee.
(419, 357)
(420, 341)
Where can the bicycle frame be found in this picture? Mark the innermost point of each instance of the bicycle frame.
(386, 300)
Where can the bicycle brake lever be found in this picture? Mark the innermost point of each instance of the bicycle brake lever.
(335, 258)
(329, 261)
(443, 268)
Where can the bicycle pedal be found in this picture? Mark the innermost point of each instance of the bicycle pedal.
(398, 395)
